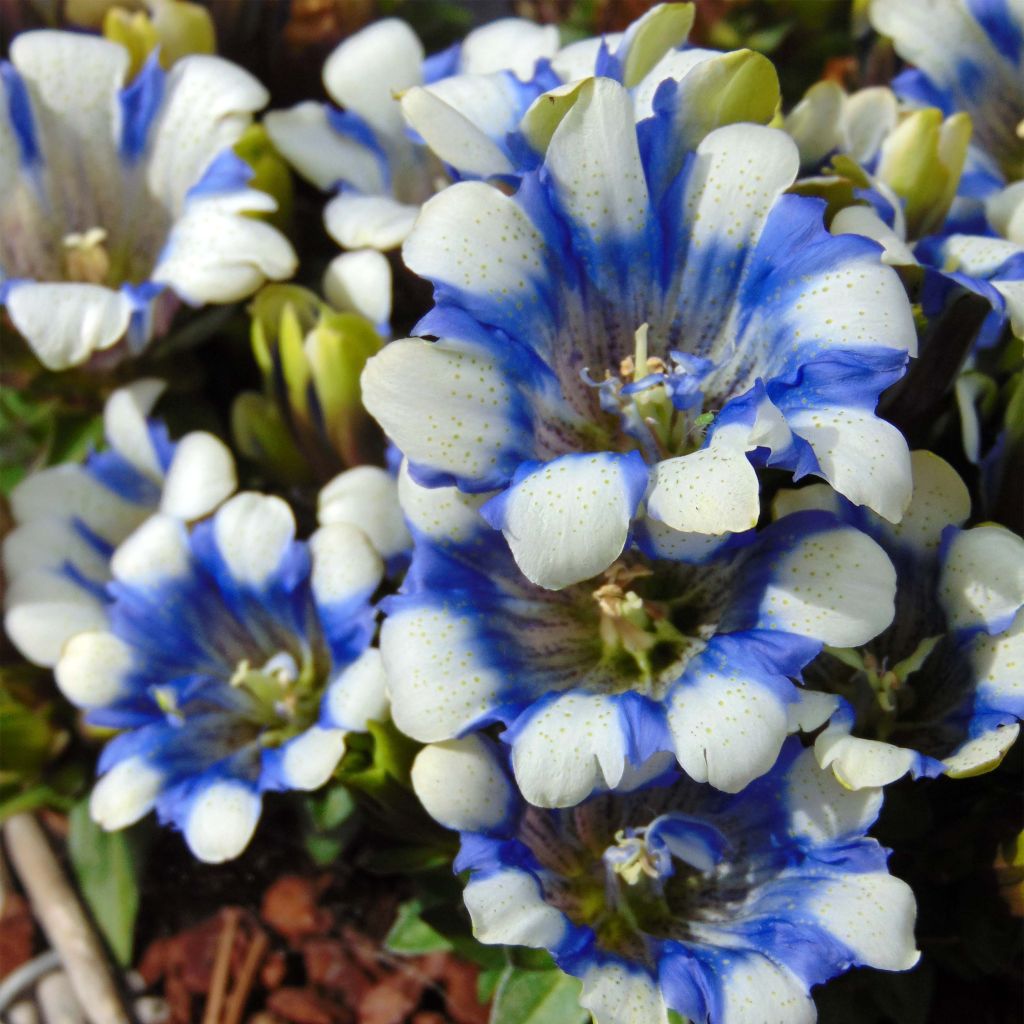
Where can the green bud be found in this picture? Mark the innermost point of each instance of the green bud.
(921, 161)
(311, 358)
(262, 436)
(270, 173)
(177, 27)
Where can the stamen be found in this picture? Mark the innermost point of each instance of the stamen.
(86, 260)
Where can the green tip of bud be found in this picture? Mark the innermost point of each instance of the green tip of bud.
(270, 174)
(177, 27)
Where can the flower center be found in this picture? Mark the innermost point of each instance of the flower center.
(639, 627)
(658, 403)
(86, 260)
(281, 696)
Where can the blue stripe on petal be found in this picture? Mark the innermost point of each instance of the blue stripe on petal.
(227, 173)
(140, 102)
(19, 112)
(117, 474)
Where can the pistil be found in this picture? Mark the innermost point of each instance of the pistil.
(86, 260)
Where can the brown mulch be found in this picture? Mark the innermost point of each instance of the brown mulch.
(301, 960)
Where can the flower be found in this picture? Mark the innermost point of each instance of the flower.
(652, 659)
(235, 659)
(70, 518)
(364, 152)
(725, 909)
(968, 56)
(116, 201)
(641, 324)
(940, 690)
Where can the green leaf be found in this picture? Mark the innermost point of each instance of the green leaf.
(537, 997)
(108, 867)
(487, 983)
(411, 935)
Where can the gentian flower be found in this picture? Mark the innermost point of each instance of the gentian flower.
(725, 909)
(939, 691)
(116, 202)
(635, 331)
(364, 152)
(968, 55)
(235, 660)
(654, 660)
(70, 518)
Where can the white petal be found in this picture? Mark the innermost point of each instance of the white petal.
(71, 487)
(997, 663)
(65, 323)
(515, 44)
(201, 475)
(442, 513)
(359, 694)
(323, 156)
(367, 69)
(1005, 212)
(311, 757)
(345, 564)
(445, 404)
(568, 520)
(221, 821)
(208, 102)
(862, 220)
(568, 749)
(982, 580)
(812, 710)
(577, 60)
(157, 550)
(814, 122)
(873, 914)
(92, 668)
(437, 682)
(981, 754)
(126, 429)
(43, 610)
(814, 497)
(869, 115)
(863, 457)
(757, 991)
(594, 163)
(859, 763)
(459, 118)
(217, 255)
(360, 282)
(940, 498)
(821, 809)
(507, 908)
(711, 491)
(369, 222)
(51, 543)
(466, 219)
(727, 731)
(253, 532)
(367, 497)
(661, 29)
(617, 995)
(837, 586)
(125, 794)
(461, 785)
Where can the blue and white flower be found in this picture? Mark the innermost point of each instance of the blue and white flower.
(643, 327)
(941, 691)
(235, 660)
(70, 518)
(968, 55)
(364, 151)
(725, 909)
(118, 201)
(653, 661)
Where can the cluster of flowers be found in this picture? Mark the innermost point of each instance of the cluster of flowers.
(658, 707)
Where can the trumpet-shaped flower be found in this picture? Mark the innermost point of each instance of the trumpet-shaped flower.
(235, 660)
(635, 331)
(940, 691)
(70, 518)
(118, 201)
(652, 660)
(968, 55)
(724, 909)
(364, 152)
